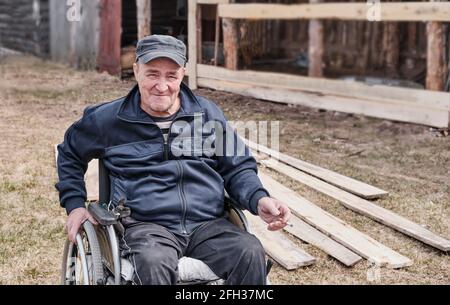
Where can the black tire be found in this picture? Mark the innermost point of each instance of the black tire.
(92, 248)
(97, 266)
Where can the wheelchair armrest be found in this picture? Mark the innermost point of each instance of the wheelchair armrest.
(102, 215)
(236, 215)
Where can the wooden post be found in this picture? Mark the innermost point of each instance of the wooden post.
(391, 48)
(192, 43)
(216, 37)
(316, 46)
(108, 58)
(198, 21)
(230, 43)
(143, 10)
(435, 56)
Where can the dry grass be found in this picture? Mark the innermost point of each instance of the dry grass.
(39, 100)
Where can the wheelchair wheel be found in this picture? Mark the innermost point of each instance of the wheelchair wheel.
(82, 263)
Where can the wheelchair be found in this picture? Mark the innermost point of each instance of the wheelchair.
(96, 259)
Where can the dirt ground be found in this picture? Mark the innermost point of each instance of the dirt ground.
(40, 99)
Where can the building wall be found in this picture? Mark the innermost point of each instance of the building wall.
(24, 26)
(74, 38)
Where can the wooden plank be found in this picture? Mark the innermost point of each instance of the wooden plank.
(346, 183)
(108, 58)
(278, 246)
(393, 11)
(363, 207)
(309, 234)
(346, 235)
(91, 180)
(90, 177)
(397, 111)
(408, 97)
(192, 43)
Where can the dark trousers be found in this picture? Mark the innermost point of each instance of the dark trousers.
(232, 253)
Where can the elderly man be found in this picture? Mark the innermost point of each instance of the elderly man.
(163, 154)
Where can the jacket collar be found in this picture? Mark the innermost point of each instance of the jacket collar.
(131, 110)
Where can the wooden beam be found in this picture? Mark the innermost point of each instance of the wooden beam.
(143, 10)
(309, 234)
(362, 206)
(278, 246)
(393, 11)
(397, 111)
(108, 58)
(404, 96)
(346, 235)
(435, 56)
(230, 43)
(192, 43)
(315, 46)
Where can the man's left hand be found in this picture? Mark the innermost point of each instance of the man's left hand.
(273, 212)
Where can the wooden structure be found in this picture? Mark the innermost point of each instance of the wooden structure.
(324, 42)
(105, 32)
(31, 34)
(410, 105)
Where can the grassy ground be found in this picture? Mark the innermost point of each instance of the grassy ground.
(39, 100)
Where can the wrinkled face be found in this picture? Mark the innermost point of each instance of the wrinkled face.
(159, 84)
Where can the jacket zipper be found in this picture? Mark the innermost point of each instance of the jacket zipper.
(183, 198)
(179, 165)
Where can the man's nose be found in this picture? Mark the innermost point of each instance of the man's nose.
(161, 86)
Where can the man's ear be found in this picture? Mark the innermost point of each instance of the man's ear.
(135, 70)
(183, 72)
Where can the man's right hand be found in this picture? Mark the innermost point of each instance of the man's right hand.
(74, 221)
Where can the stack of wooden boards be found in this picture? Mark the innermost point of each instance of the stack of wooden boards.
(312, 224)
(431, 108)
(317, 227)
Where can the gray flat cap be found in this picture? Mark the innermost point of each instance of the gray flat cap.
(156, 46)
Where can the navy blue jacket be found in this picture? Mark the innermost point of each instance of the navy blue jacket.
(177, 185)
